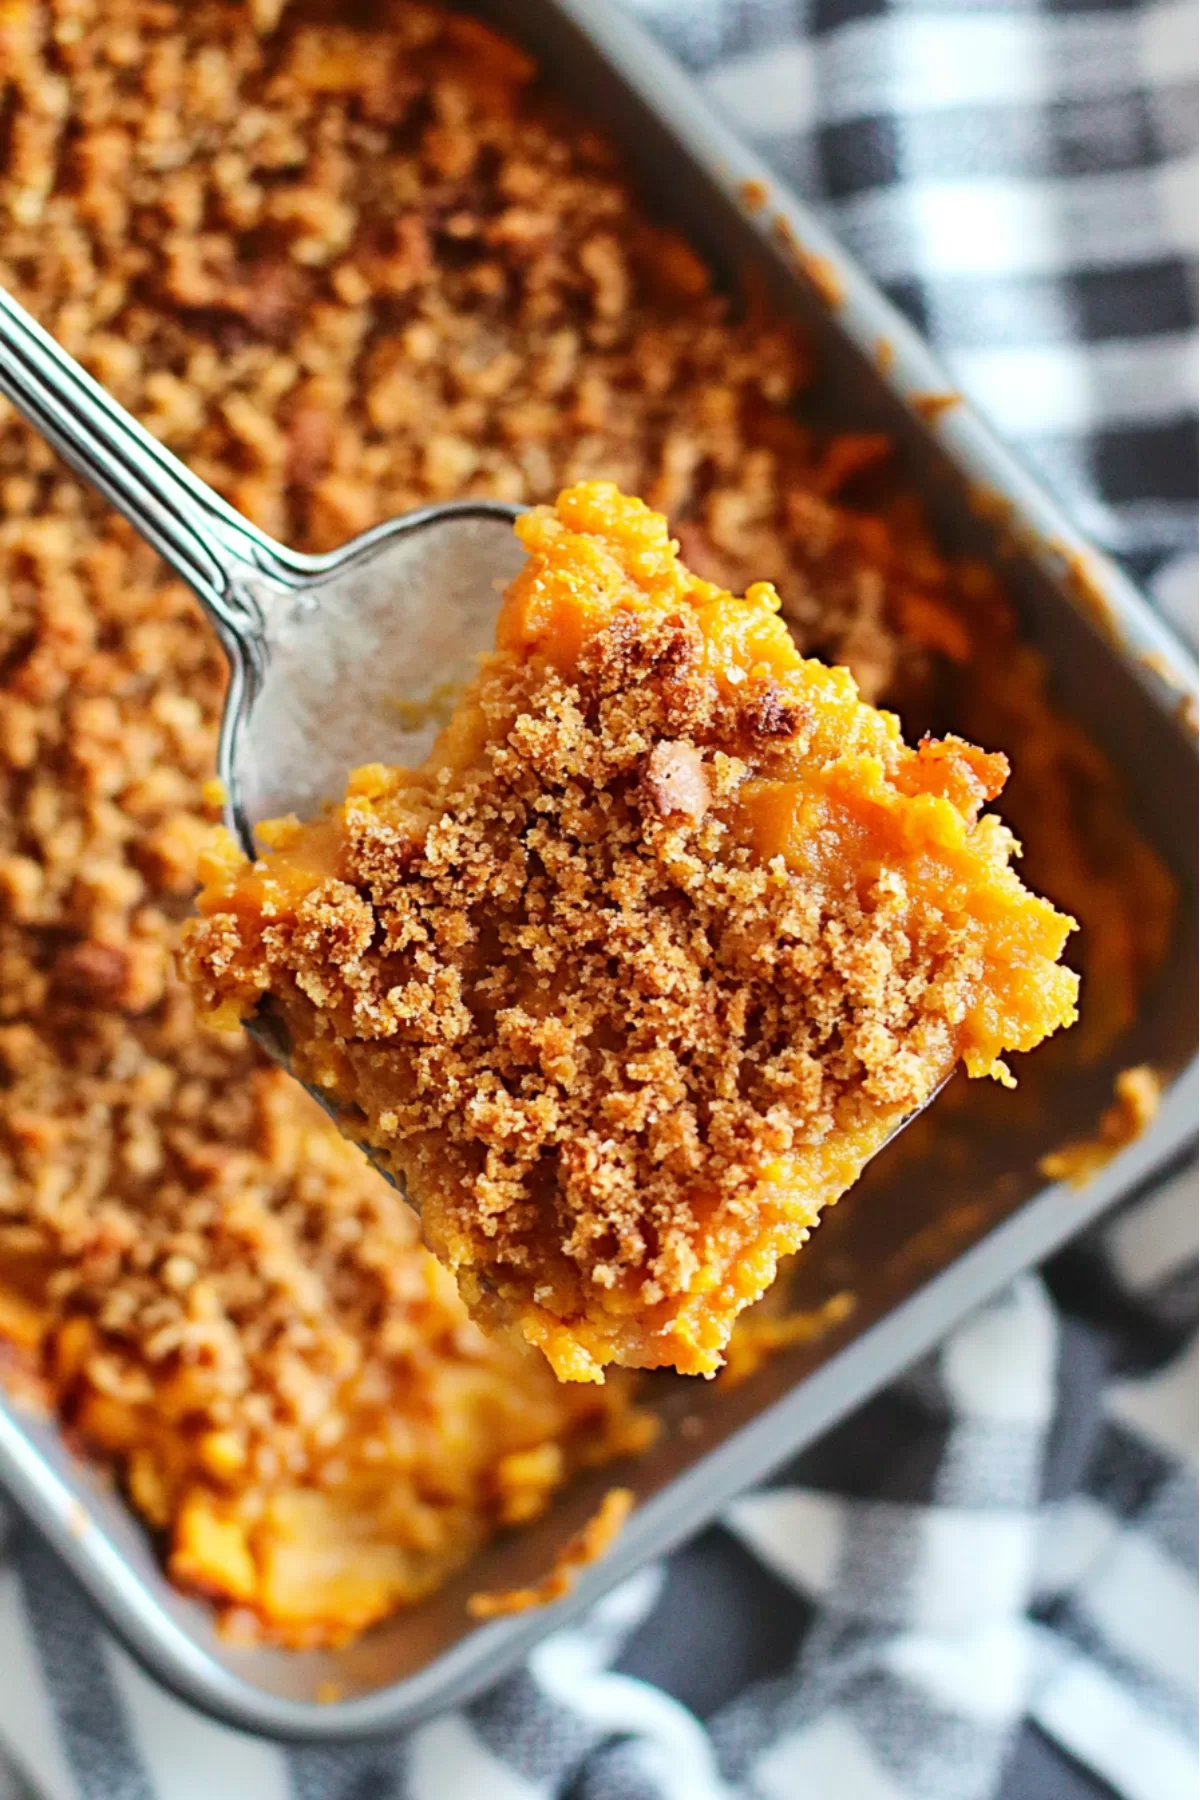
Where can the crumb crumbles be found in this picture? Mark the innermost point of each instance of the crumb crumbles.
(343, 269)
(587, 1546)
(1137, 1093)
(669, 934)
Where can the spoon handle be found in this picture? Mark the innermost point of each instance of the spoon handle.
(202, 538)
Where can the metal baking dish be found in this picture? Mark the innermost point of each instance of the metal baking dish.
(925, 1237)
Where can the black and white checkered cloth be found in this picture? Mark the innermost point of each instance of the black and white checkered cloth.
(984, 1585)
(1020, 176)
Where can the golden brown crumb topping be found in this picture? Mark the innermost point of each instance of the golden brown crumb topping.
(1137, 1093)
(587, 1546)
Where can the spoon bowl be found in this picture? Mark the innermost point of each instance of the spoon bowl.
(355, 655)
(334, 659)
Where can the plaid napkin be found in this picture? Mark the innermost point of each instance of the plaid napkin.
(984, 1584)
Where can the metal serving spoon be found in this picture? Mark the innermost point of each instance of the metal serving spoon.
(334, 660)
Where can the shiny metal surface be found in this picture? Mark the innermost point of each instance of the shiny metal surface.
(946, 1215)
(327, 654)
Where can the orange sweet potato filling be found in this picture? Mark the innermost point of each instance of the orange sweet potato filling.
(666, 938)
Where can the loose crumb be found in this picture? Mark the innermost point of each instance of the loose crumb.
(930, 407)
(756, 1340)
(587, 1546)
(1085, 580)
(816, 269)
(1138, 1095)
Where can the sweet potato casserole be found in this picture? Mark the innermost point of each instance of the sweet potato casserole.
(664, 940)
(343, 268)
